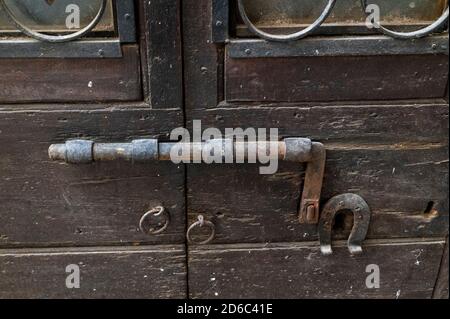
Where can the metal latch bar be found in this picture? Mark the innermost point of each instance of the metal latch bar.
(299, 150)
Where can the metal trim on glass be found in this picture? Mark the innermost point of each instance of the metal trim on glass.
(40, 45)
(437, 26)
(54, 38)
(286, 37)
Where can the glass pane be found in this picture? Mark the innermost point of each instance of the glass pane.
(274, 13)
(51, 15)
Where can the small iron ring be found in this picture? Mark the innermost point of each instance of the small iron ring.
(201, 222)
(155, 212)
(286, 37)
(55, 38)
(435, 26)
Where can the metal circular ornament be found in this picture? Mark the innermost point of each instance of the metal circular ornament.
(201, 222)
(286, 37)
(155, 212)
(54, 38)
(434, 27)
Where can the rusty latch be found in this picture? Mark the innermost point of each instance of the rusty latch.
(299, 150)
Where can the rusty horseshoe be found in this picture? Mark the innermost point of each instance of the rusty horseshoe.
(362, 214)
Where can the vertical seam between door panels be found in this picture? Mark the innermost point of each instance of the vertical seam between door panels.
(183, 109)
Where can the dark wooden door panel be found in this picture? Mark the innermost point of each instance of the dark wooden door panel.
(393, 154)
(47, 203)
(72, 80)
(119, 272)
(53, 214)
(407, 270)
(333, 78)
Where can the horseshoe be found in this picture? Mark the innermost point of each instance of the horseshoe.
(362, 214)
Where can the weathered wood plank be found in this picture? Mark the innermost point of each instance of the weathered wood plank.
(120, 272)
(407, 270)
(441, 288)
(48, 203)
(358, 78)
(371, 123)
(71, 80)
(406, 189)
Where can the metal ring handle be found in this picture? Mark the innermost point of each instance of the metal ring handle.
(435, 26)
(286, 37)
(55, 38)
(201, 222)
(155, 212)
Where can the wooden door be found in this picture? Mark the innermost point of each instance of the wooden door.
(378, 104)
(380, 107)
(107, 87)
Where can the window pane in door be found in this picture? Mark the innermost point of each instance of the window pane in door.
(286, 13)
(50, 15)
